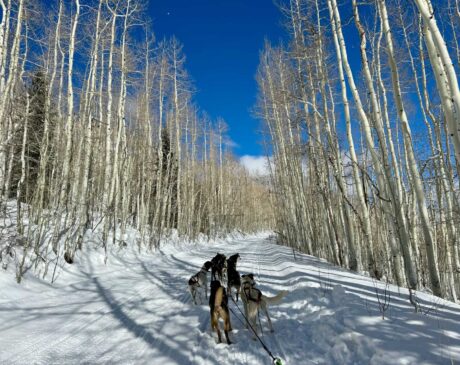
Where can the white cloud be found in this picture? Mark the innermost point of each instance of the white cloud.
(256, 165)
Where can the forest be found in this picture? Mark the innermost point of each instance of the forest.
(360, 113)
(362, 109)
(98, 129)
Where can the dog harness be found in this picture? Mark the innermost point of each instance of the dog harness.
(194, 279)
(247, 289)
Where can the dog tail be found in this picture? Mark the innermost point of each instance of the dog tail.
(277, 298)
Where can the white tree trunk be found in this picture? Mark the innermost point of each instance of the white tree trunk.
(412, 163)
(447, 82)
(7, 94)
(70, 107)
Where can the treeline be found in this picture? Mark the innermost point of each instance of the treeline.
(99, 132)
(362, 109)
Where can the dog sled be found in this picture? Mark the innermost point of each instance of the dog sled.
(225, 278)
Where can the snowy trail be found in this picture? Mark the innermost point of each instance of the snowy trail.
(137, 310)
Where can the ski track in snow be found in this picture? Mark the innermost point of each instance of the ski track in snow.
(137, 310)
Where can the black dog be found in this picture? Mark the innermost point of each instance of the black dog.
(234, 280)
(219, 267)
(233, 260)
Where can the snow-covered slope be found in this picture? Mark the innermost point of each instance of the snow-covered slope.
(137, 310)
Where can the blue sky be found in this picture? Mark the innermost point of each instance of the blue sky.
(222, 40)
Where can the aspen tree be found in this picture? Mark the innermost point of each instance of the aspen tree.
(446, 81)
(157, 219)
(45, 143)
(87, 140)
(366, 223)
(445, 180)
(7, 93)
(70, 109)
(4, 35)
(120, 140)
(107, 202)
(421, 201)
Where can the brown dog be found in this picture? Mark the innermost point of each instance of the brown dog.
(218, 304)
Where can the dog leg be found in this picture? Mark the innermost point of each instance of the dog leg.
(253, 322)
(227, 326)
(229, 291)
(245, 307)
(215, 325)
(193, 293)
(230, 328)
(254, 328)
(230, 294)
(264, 307)
(228, 339)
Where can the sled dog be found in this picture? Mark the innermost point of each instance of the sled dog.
(219, 268)
(198, 282)
(254, 301)
(218, 305)
(234, 280)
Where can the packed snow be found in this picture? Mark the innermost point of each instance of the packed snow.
(136, 309)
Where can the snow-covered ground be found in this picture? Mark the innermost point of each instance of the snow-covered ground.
(137, 310)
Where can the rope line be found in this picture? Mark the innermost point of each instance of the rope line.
(276, 360)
